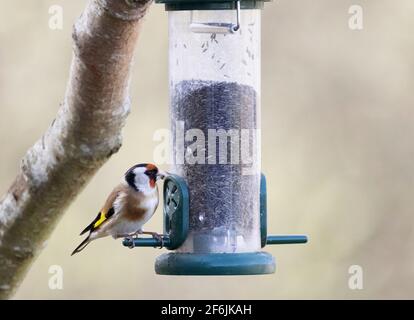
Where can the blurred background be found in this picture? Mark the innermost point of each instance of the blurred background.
(338, 150)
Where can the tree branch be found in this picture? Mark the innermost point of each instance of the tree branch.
(85, 133)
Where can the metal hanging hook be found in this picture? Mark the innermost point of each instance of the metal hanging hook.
(216, 27)
(237, 26)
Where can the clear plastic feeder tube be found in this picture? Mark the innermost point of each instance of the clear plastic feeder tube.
(214, 64)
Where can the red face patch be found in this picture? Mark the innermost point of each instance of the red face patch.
(152, 182)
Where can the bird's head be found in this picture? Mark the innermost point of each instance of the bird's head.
(143, 176)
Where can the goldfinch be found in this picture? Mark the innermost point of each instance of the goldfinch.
(128, 207)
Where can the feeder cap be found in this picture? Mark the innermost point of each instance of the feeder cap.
(176, 5)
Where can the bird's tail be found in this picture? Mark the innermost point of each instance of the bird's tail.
(82, 246)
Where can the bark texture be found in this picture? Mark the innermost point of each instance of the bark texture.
(84, 134)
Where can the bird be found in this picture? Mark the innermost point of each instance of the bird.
(128, 207)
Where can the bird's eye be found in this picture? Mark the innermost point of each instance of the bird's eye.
(151, 173)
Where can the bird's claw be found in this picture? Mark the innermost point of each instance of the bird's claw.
(131, 242)
(159, 238)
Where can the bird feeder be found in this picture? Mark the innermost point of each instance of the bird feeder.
(215, 217)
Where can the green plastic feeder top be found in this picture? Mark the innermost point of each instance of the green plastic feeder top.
(174, 5)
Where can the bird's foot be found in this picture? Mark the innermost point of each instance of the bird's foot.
(159, 237)
(131, 241)
(135, 235)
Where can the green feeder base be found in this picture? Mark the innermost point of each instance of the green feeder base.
(215, 264)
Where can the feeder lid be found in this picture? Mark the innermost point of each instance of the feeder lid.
(175, 5)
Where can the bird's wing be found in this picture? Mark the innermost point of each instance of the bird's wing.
(108, 210)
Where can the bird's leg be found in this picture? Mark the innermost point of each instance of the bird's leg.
(136, 233)
(155, 235)
(129, 237)
(123, 235)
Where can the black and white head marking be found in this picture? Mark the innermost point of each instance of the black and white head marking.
(138, 177)
(130, 179)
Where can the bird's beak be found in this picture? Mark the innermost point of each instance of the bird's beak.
(161, 174)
